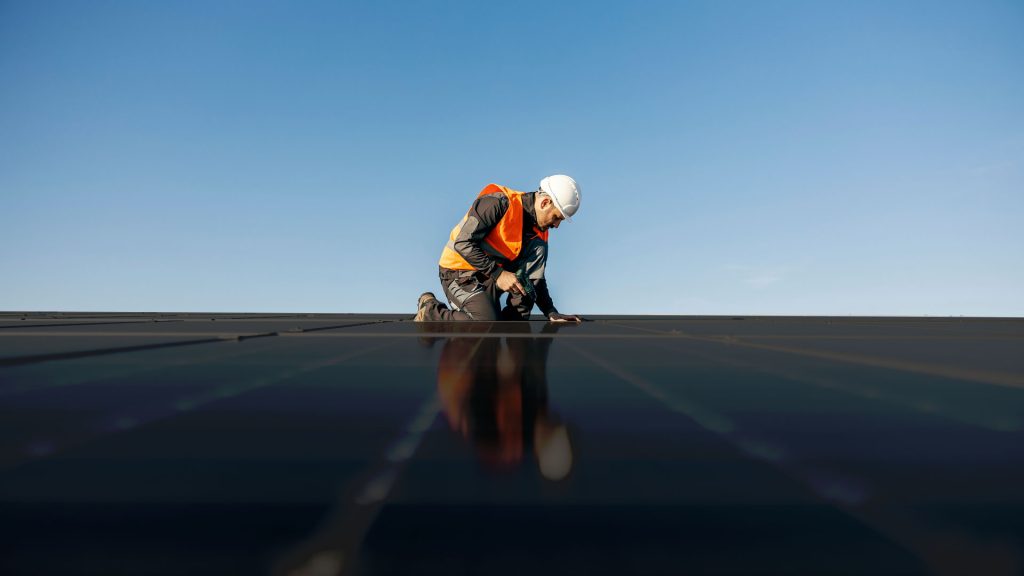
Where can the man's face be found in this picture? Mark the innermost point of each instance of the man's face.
(548, 215)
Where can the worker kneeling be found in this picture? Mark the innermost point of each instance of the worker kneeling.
(501, 245)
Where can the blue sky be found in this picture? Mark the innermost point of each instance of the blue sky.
(735, 157)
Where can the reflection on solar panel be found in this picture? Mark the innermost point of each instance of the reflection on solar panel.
(357, 444)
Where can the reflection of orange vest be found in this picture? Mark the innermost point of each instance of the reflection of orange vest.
(481, 395)
(504, 241)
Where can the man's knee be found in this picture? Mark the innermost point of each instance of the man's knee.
(480, 308)
(520, 312)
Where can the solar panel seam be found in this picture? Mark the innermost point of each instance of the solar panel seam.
(975, 375)
(37, 358)
(209, 337)
(866, 390)
(20, 326)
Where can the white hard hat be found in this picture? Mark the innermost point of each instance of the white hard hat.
(565, 193)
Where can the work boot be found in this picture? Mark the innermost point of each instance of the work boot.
(422, 304)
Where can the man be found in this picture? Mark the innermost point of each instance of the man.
(501, 245)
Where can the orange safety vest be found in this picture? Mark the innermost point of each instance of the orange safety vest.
(505, 240)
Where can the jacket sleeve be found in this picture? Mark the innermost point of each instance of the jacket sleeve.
(544, 302)
(483, 216)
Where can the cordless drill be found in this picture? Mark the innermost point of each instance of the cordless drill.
(528, 288)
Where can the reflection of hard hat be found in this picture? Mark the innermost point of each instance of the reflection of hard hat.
(564, 191)
(554, 452)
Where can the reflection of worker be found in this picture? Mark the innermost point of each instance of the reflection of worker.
(494, 393)
(501, 245)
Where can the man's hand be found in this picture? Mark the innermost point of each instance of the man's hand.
(560, 318)
(508, 282)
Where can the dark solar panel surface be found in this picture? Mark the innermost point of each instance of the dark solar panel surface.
(369, 444)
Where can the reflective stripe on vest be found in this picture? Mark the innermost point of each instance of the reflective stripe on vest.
(503, 242)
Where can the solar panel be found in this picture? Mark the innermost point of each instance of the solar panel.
(366, 444)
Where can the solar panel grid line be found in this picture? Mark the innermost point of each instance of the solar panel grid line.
(930, 321)
(13, 319)
(224, 334)
(182, 327)
(914, 528)
(976, 375)
(863, 390)
(994, 409)
(851, 337)
(339, 326)
(234, 390)
(358, 505)
(232, 414)
(204, 337)
(834, 321)
(62, 379)
(495, 335)
(191, 403)
(901, 527)
(831, 487)
(998, 417)
(56, 325)
(24, 316)
(37, 358)
(719, 423)
(34, 331)
(232, 335)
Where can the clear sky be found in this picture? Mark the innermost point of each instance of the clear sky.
(759, 157)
